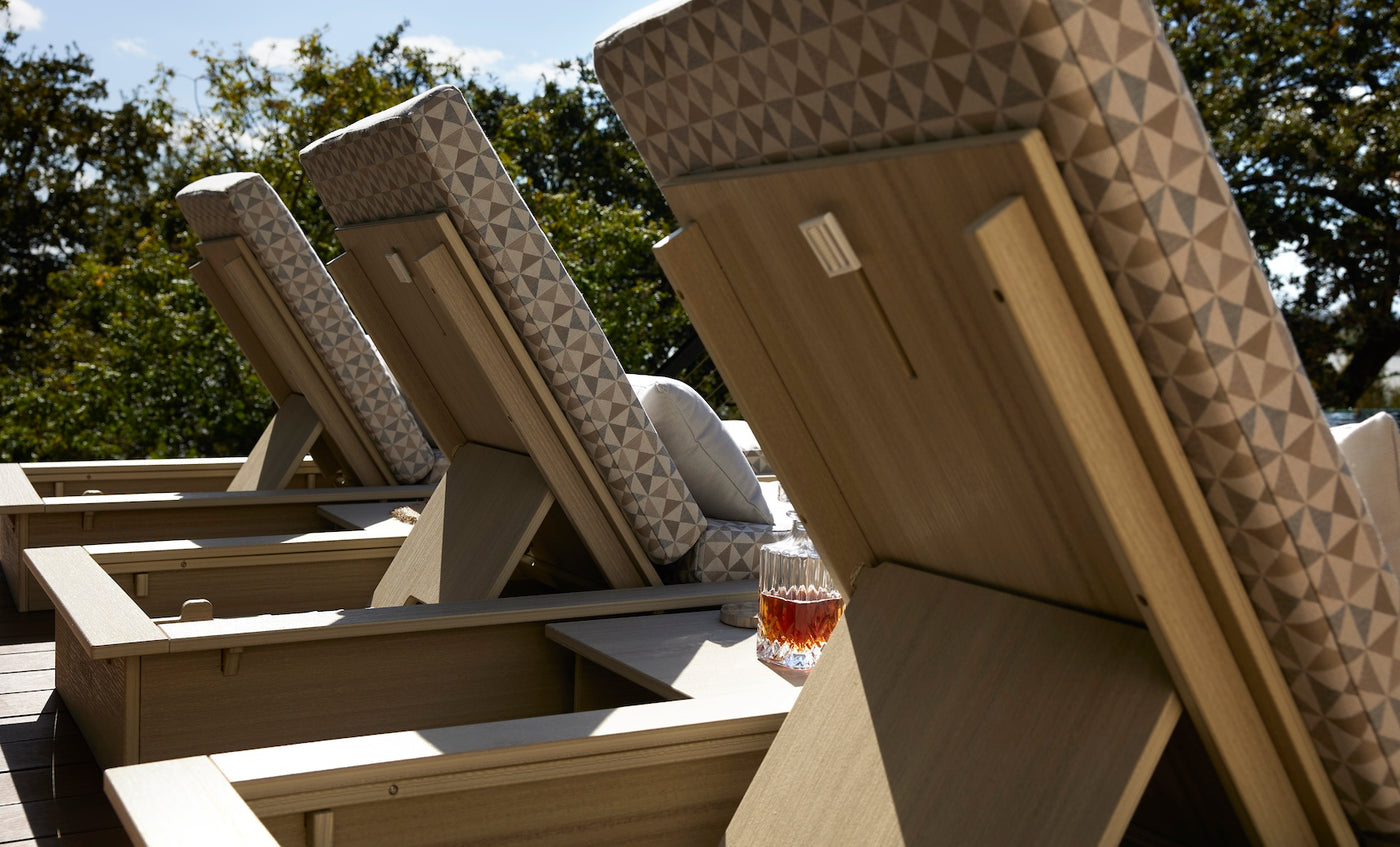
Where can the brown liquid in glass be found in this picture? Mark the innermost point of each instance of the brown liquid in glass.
(798, 624)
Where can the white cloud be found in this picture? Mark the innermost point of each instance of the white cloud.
(274, 52)
(134, 46)
(22, 15)
(442, 49)
(529, 75)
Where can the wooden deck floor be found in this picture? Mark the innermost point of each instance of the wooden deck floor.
(50, 787)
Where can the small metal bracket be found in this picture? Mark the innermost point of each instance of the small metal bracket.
(87, 521)
(396, 264)
(143, 585)
(830, 245)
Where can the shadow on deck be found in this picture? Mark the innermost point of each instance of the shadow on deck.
(50, 787)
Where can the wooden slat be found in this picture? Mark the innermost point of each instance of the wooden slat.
(43, 752)
(45, 818)
(164, 802)
(240, 326)
(17, 494)
(27, 703)
(297, 777)
(30, 727)
(354, 623)
(182, 554)
(449, 314)
(472, 533)
(114, 837)
(233, 499)
(33, 680)
(281, 448)
(738, 349)
(941, 707)
(31, 660)
(48, 783)
(1206, 670)
(105, 620)
(279, 331)
(127, 476)
(690, 654)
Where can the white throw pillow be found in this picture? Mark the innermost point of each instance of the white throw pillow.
(1372, 449)
(713, 467)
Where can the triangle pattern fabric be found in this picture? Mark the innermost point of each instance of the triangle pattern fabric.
(429, 154)
(244, 204)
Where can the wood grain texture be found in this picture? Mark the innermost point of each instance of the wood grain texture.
(144, 476)
(472, 533)
(690, 654)
(163, 803)
(189, 706)
(684, 802)
(355, 623)
(298, 361)
(104, 621)
(1203, 663)
(98, 693)
(734, 343)
(941, 707)
(996, 452)
(449, 314)
(281, 448)
(284, 587)
(17, 494)
(185, 553)
(207, 274)
(964, 439)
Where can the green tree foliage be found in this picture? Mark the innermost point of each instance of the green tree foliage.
(122, 355)
(257, 118)
(131, 362)
(72, 177)
(1302, 100)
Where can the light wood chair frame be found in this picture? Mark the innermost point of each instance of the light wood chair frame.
(988, 349)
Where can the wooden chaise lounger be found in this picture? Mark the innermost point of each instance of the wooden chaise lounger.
(1094, 497)
(535, 412)
(336, 399)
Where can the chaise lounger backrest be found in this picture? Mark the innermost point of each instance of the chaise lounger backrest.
(373, 431)
(709, 86)
(430, 155)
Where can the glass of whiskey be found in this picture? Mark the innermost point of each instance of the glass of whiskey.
(799, 603)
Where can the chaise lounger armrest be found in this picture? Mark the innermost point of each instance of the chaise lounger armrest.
(109, 624)
(134, 476)
(226, 633)
(315, 778)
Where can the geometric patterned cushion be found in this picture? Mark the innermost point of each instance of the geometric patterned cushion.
(716, 84)
(429, 154)
(728, 550)
(244, 204)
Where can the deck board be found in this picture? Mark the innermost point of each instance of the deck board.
(50, 786)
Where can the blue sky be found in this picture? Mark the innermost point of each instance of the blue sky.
(516, 40)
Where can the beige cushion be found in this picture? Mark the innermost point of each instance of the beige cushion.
(712, 465)
(1372, 449)
(742, 435)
